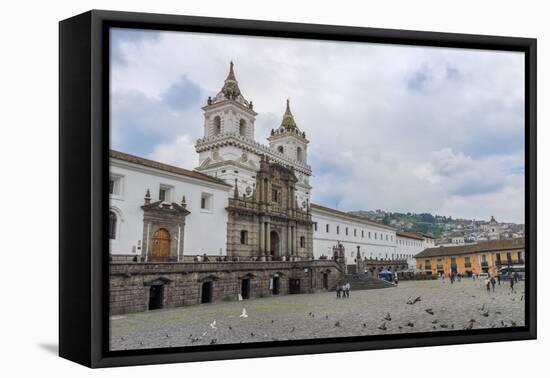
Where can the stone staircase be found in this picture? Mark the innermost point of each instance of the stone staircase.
(364, 282)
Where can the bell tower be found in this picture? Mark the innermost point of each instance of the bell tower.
(228, 128)
(229, 112)
(289, 141)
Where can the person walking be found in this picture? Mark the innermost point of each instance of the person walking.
(498, 278)
(493, 282)
(488, 285)
(396, 279)
(347, 289)
(512, 283)
(338, 290)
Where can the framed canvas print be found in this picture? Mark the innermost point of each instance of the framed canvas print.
(234, 188)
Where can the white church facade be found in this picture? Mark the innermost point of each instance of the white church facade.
(161, 211)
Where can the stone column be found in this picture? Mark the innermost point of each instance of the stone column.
(289, 240)
(262, 239)
(268, 239)
(295, 240)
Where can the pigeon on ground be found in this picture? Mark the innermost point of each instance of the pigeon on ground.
(230, 328)
(485, 313)
(383, 326)
(213, 341)
(469, 326)
(388, 317)
(213, 324)
(337, 324)
(252, 334)
(410, 324)
(364, 325)
(413, 301)
(435, 321)
(243, 314)
(444, 326)
(429, 311)
(513, 323)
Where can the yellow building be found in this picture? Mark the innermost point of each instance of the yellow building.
(482, 257)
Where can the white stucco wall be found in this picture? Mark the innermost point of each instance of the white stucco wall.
(205, 230)
(382, 245)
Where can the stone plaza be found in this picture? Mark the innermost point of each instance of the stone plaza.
(442, 307)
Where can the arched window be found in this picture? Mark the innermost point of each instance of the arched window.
(112, 225)
(244, 237)
(299, 154)
(302, 241)
(242, 127)
(281, 149)
(217, 125)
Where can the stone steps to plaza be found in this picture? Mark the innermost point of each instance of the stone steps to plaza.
(365, 282)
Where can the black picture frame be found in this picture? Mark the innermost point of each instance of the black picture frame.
(84, 163)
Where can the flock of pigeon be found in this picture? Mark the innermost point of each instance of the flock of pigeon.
(385, 325)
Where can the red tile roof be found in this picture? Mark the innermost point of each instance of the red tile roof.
(165, 167)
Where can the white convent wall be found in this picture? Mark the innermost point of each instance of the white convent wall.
(205, 230)
(373, 241)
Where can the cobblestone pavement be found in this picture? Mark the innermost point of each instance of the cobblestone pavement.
(322, 315)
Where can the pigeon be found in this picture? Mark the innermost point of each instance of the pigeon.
(485, 313)
(413, 301)
(502, 324)
(326, 317)
(230, 328)
(429, 311)
(444, 326)
(167, 335)
(469, 326)
(513, 323)
(243, 314)
(399, 327)
(337, 324)
(433, 327)
(293, 329)
(472, 320)
(364, 325)
(272, 321)
(383, 326)
(498, 312)
(213, 341)
(435, 321)
(213, 324)
(410, 324)
(388, 317)
(252, 334)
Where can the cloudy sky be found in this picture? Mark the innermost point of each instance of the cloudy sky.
(390, 127)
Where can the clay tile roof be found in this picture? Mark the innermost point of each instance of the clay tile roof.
(165, 167)
(411, 235)
(485, 246)
(350, 215)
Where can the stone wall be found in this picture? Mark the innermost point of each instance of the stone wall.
(181, 284)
